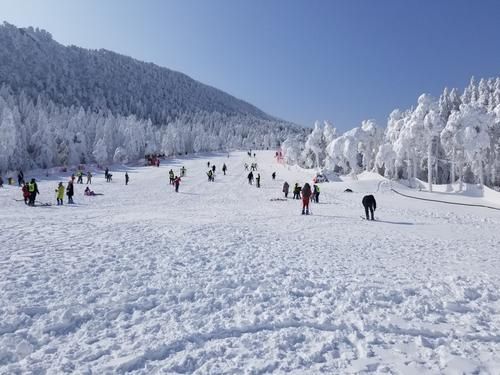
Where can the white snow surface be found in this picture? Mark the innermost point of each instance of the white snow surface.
(220, 279)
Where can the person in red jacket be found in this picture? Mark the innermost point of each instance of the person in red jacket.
(26, 193)
(177, 182)
(306, 196)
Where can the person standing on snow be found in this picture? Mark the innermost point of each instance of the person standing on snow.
(20, 178)
(286, 189)
(126, 178)
(80, 177)
(274, 176)
(60, 194)
(171, 176)
(224, 169)
(250, 178)
(257, 180)
(208, 164)
(316, 193)
(33, 190)
(296, 191)
(177, 181)
(306, 195)
(26, 193)
(89, 178)
(70, 191)
(370, 205)
(210, 175)
(213, 168)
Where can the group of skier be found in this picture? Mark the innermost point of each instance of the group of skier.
(30, 189)
(212, 169)
(306, 193)
(253, 167)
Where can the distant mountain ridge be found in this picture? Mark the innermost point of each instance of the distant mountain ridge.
(31, 61)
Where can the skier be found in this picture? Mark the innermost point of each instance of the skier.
(80, 177)
(158, 162)
(60, 194)
(126, 178)
(171, 176)
(210, 175)
(213, 168)
(257, 180)
(106, 172)
(26, 193)
(246, 167)
(306, 195)
(177, 181)
(183, 171)
(274, 176)
(70, 191)
(20, 178)
(33, 190)
(370, 205)
(208, 164)
(224, 169)
(286, 189)
(296, 191)
(250, 178)
(89, 178)
(316, 193)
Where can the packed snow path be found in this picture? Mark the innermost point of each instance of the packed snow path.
(220, 279)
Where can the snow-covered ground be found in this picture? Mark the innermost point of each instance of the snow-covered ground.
(219, 278)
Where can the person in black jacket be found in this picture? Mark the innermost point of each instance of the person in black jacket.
(70, 191)
(369, 204)
(20, 178)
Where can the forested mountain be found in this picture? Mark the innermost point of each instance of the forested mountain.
(68, 105)
(31, 61)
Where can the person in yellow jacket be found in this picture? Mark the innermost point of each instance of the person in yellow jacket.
(60, 194)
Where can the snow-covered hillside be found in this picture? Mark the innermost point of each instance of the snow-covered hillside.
(68, 105)
(221, 278)
(101, 80)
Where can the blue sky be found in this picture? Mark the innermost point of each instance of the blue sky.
(342, 61)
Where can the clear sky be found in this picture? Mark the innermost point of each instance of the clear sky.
(301, 60)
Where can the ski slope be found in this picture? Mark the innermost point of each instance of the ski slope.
(220, 279)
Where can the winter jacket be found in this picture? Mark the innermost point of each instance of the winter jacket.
(70, 190)
(369, 201)
(306, 191)
(60, 192)
(286, 187)
(26, 192)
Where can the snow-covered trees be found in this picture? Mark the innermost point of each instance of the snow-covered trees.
(44, 134)
(8, 135)
(436, 141)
